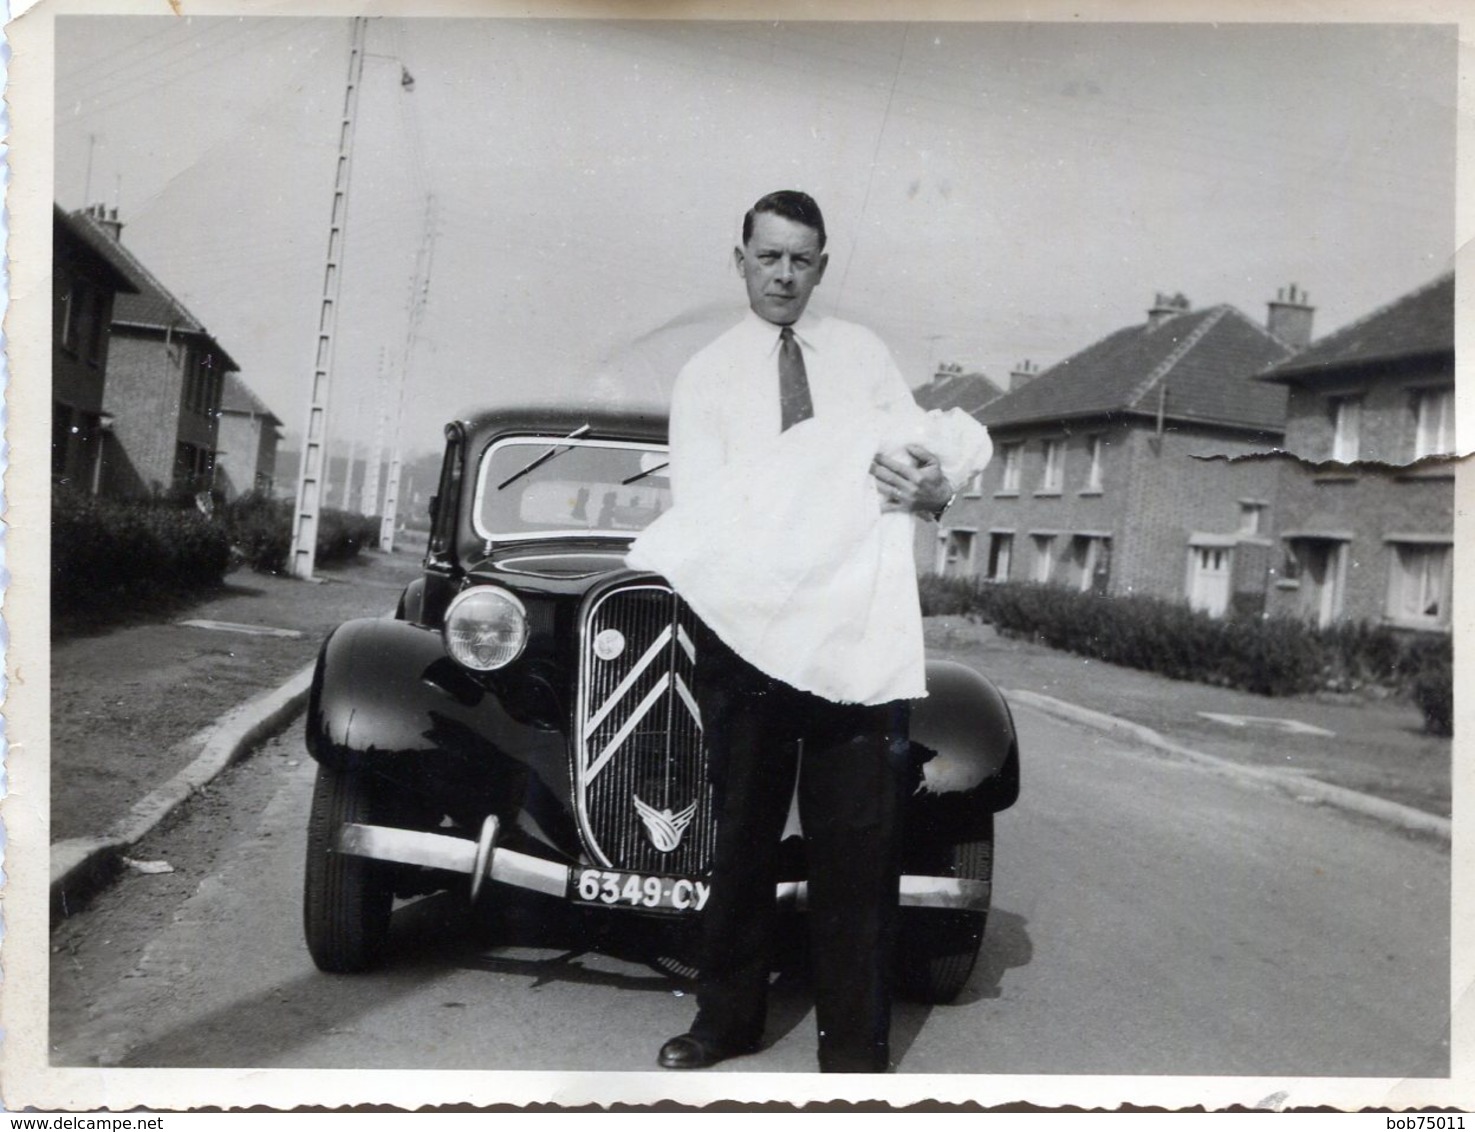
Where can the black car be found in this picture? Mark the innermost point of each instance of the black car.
(526, 718)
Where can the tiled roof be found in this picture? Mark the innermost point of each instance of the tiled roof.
(966, 391)
(236, 397)
(1417, 324)
(103, 246)
(1204, 359)
(152, 306)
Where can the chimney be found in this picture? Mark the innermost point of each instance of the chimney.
(1165, 307)
(1289, 317)
(107, 219)
(1022, 374)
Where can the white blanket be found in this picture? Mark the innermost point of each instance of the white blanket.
(791, 561)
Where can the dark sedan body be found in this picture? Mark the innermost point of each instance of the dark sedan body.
(527, 719)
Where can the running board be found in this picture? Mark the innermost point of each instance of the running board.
(483, 861)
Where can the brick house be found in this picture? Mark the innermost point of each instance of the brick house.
(86, 275)
(1097, 480)
(249, 434)
(1366, 522)
(165, 376)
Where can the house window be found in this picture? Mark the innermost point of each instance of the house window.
(1209, 570)
(61, 437)
(1320, 568)
(1252, 517)
(65, 316)
(1435, 410)
(1000, 555)
(1093, 474)
(1013, 455)
(1053, 473)
(1044, 557)
(974, 487)
(197, 397)
(955, 553)
(194, 467)
(1346, 428)
(1419, 584)
(1090, 557)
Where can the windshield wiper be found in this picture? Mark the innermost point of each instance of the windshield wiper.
(539, 461)
(648, 472)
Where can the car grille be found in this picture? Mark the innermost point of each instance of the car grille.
(644, 804)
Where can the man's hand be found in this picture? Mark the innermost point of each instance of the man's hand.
(916, 484)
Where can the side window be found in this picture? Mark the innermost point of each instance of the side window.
(447, 495)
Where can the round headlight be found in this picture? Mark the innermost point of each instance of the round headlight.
(486, 628)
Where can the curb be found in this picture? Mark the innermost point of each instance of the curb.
(1302, 788)
(80, 866)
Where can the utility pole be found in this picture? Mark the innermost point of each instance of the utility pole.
(311, 474)
(423, 260)
(353, 454)
(369, 493)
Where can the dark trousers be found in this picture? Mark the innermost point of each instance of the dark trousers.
(851, 763)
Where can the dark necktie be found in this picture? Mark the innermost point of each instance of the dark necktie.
(793, 382)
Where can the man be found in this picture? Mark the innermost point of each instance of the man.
(773, 370)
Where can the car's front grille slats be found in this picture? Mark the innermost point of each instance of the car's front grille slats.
(643, 800)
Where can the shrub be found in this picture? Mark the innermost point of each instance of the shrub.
(1430, 667)
(941, 595)
(342, 534)
(102, 550)
(1276, 656)
(260, 530)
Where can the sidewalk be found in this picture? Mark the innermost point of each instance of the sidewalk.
(1374, 746)
(125, 703)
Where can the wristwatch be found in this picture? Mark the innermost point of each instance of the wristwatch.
(936, 515)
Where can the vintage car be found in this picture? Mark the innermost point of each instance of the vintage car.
(526, 719)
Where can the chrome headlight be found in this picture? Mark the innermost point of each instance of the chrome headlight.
(486, 628)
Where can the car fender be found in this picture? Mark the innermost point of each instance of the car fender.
(411, 601)
(963, 737)
(387, 699)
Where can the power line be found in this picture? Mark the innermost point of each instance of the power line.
(164, 77)
(871, 176)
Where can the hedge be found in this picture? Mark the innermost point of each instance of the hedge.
(106, 550)
(260, 530)
(103, 550)
(1277, 656)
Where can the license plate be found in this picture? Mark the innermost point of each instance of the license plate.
(636, 890)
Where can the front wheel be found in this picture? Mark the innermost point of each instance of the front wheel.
(938, 947)
(346, 900)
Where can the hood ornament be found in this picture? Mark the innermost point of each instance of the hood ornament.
(664, 827)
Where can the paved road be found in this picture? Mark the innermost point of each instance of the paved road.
(1150, 918)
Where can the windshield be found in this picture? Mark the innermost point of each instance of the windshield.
(604, 487)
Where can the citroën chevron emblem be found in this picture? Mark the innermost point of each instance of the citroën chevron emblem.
(664, 827)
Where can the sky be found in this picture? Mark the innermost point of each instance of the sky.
(994, 192)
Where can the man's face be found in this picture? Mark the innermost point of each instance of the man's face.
(781, 265)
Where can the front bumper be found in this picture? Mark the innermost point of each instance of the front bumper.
(481, 860)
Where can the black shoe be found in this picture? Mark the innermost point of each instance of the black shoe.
(687, 1051)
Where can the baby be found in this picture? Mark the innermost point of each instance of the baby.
(791, 561)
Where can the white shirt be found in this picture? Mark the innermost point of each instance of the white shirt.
(777, 540)
(726, 402)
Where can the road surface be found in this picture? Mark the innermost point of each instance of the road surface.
(1149, 918)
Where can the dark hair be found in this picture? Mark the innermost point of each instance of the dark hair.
(791, 205)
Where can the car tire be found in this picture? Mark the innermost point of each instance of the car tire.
(346, 900)
(937, 948)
